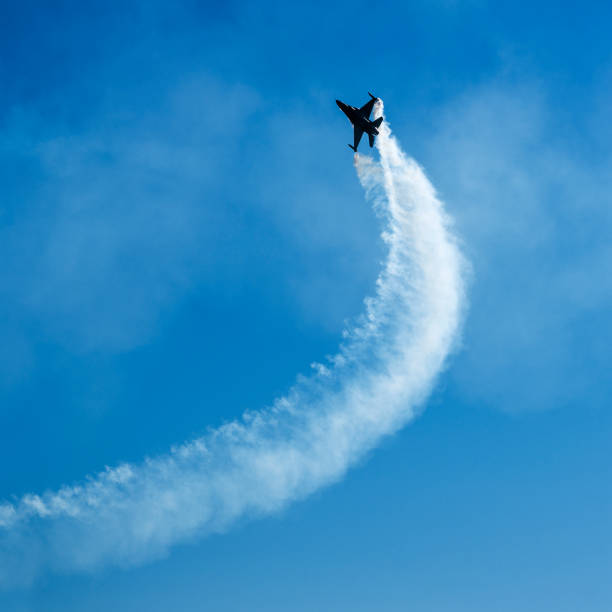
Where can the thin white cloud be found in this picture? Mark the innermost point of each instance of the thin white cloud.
(375, 384)
(114, 227)
(535, 210)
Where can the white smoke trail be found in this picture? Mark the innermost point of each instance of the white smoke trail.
(376, 383)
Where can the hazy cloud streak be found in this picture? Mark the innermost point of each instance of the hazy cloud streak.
(375, 384)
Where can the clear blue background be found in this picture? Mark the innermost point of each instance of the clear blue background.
(182, 233)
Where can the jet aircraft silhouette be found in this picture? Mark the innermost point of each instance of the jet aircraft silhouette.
(360, 118)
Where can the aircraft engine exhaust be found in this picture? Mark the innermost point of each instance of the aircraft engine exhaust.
(377, 382)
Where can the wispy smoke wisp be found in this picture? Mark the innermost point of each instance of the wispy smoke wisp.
(375, 384)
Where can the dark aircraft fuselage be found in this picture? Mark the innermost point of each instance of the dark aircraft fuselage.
(357, 118)
(360, 118)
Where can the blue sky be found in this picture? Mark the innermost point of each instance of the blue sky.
(182, 233)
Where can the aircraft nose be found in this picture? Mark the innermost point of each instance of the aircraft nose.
(339, 103)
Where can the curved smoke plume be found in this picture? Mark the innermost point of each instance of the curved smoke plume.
(376, 383)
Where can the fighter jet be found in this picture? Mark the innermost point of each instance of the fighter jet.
(360, 118)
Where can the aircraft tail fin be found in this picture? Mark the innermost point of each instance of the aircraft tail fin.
(371, 96)
(377, 122)
(354, 148)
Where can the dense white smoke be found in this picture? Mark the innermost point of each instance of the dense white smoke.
(376, 383)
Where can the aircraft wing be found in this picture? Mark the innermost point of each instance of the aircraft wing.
(366, 109)
(371, 138)
(357, 134)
